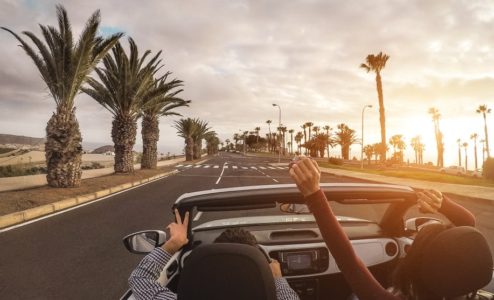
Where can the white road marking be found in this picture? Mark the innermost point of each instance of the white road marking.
(272, 168)
(263, 168)
(234, 167)
(281, 168)
(219, 178)
(178, 166)
(216, 167)
(197, 166)
(198, 215)
(245, 168)
(275, 180)
(188, 166)
(206, 166)
(253, 168)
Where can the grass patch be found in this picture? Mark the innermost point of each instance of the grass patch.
(417, 174)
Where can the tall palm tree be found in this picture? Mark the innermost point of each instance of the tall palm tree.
(64, 65)
(316, 129)
(269, 138)
(298, 138)
(186, 128)
(482, 141)
(458, 142)
(439, 136)
(376, 63)
(465, 146)
(291, 131)
(484, 110)
(474, 137)
(328, 129)
(304, 126)
(212, 142)
(345, 137)
(125, 82)
(154, 108)
(309, 126)
(414, 143)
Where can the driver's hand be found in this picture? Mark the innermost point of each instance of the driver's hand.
(275, 268)
(178, 234)
(429, 201)
(306, 174)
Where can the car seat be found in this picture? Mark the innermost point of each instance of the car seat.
(226, 271)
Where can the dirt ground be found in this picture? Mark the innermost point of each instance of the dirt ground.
(13, 201)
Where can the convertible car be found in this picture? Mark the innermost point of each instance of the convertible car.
(380, 220)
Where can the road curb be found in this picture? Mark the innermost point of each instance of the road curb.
(43, 210)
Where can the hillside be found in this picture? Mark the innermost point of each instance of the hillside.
(104, 149)
(20, 140)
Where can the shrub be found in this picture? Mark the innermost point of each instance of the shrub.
(488, 168)
(335, 161)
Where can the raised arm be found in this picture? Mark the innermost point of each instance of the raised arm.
(305, 173)
(433, 201)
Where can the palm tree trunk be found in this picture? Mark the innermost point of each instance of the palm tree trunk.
(189, 149)
(382, 118)
(123, 133)
(150, 136)
(63, 150)
(197, 149)
(486, 137)
(475, 150)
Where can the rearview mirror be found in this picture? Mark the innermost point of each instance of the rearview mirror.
(294, 208)
(144, 241)
(415, 224)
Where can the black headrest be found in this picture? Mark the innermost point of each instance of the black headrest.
(225, 272)
(457, 261)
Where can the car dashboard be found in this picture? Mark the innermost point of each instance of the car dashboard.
(305, 261)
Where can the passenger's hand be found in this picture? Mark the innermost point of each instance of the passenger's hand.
(275, 268)
(429, 201)
(306, 175)
(178, 233)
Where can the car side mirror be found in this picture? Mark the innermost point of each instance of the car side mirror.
(294, 208)
(415, 224)
(144, 241)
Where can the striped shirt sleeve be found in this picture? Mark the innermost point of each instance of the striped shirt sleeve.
(143, 280)
(284, 291)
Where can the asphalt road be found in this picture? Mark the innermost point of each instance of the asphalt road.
(79, 254)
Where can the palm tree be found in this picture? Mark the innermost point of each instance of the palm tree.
(439, 136)
(298, 139)
(309, 125)
(282, 130)
(64, 65)
(368, 150)
(125, 84)
(397, 142)
(291, 131)
(227, 141)
(328, 129)
(458, 142)
(212, 142)
(414, 143)
(345, 137)
(465, 146)
(257, 129)
(484, 110)
(376, 63)
(269, 138)
(482, 141)
(201, 130)
(153, 108)
(474, 137)
(304, 126)
(186, 128)
(236, 138)
(316, 129)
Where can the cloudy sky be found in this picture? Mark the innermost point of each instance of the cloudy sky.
(239, 57)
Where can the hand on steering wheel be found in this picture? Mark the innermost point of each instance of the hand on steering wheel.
(429, 201)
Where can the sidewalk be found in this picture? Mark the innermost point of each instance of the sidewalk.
(473, 191)
(24, 182)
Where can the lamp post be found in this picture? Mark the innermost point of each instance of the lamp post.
(362, 144)
(279, 125)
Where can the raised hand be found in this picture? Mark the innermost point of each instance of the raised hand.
(306, 175)
(429, 201)
(178, 233)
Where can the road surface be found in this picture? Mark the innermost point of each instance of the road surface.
(79, 254)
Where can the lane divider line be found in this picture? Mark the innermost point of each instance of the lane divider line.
(223, 170)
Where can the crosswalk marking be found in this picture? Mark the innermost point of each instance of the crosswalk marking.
(235, 167)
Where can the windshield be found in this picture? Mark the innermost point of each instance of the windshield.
(370, 212)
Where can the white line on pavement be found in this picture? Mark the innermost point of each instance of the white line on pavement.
(245, 168)
(263, 168)
(198, 166)
(188, 166)
(216, 167)
(235, 167)
(206, 166)
(254, 168)
(180, 165)
(272, 168)
(219, 178)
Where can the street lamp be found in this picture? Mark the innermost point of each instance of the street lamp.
(279, 125)
(362, 145)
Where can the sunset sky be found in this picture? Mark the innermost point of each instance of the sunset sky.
(239, 57)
